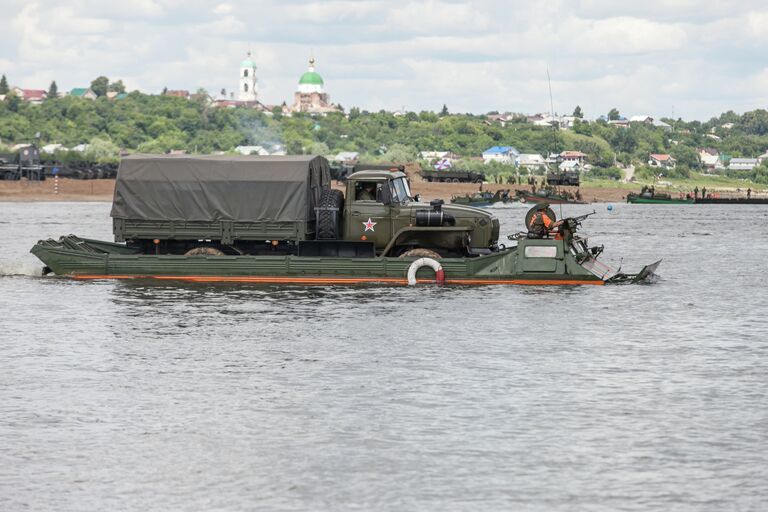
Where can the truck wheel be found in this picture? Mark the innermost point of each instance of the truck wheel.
(456, 180)
(328, 223)
(479, 180)
(420, 252)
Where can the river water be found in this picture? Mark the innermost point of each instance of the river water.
(120, 395)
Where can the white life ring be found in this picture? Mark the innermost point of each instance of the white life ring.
(426, 262)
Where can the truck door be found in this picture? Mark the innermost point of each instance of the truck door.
(369, 218)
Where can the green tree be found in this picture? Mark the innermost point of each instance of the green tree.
(102, 150)
(581, 127)
(444, 111)
(4, 85)
(760, 173)
(400, 154)
(117, 87)
(577, 113)
(624, 140)
(53, 91)
(754, 122)
(613, 114)
(318, 148)
(100, 85)
(14, 102)
(685, 156)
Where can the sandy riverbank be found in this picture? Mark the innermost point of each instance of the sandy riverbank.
(102, 190)
(68, 190)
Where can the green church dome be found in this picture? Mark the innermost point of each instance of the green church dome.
(248, 63)
(311, 78)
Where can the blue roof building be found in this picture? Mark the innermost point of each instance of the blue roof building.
(503, 154)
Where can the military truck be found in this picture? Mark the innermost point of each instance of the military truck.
(23, 163)
(452, 176)
(341, 171)
(560, 178)
(261, 205)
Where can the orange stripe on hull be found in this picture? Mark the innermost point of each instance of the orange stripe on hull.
(340, 280)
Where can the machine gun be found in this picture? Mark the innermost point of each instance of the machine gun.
(574, 222)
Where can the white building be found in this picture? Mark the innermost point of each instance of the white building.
(530, 161)
(742, 164)
(52, 148)
(248, 89)
(347, 157)
(435, 155)
(709, 157)
(569, 165)
(662, 160)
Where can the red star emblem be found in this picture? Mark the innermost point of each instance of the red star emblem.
(369, 225)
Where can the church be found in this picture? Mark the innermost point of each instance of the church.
(248, 89)
(310, 95)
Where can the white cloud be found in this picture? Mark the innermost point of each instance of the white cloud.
(223, 9)
(648, 57)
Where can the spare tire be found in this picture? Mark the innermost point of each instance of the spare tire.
(204, 251)
(420, 252)
(329, 213)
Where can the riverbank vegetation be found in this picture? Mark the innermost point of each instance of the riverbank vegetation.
(157, 124)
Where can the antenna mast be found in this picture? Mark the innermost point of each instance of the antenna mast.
(552, 115)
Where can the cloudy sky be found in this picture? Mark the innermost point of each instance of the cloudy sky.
(690, 59)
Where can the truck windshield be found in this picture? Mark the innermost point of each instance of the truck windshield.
(400, 190)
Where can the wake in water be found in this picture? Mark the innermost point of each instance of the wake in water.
(20, 268)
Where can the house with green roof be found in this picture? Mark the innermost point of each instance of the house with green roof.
(83, 92)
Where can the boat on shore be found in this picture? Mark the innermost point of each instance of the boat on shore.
(649, 195)
(551, 199)
(485, 199)
(634, 198)
(732, 200)
(549, 195)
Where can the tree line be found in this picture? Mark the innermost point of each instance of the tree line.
(157, 124)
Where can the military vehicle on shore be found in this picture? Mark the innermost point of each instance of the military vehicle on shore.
(23, 163)
(557, 177)
(452, 176)
(277, 220)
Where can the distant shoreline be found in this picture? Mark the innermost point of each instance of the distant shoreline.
(70, 190)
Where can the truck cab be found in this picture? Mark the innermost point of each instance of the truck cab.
(380, 208)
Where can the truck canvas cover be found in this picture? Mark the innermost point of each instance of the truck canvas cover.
(213, 188)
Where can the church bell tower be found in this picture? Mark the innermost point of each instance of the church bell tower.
(248, 89)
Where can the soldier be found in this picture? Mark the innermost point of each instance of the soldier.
(541, 223)
(749, 193)
(696, 193)
(704, 192)
(368, 192)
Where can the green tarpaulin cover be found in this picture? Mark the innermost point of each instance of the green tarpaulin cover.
(212, 188)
